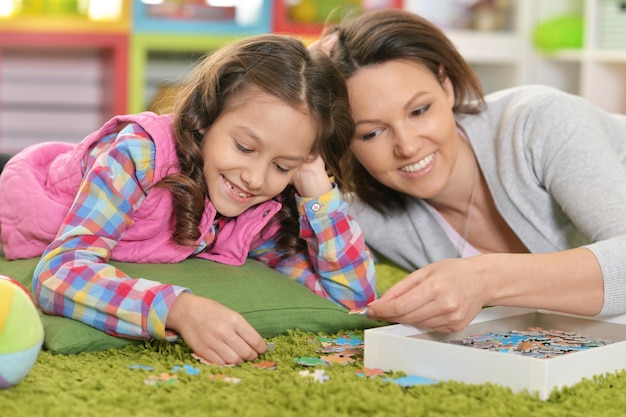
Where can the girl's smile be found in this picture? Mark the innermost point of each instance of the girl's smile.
(236, 191)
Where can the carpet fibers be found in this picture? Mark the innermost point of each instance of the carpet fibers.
(104, 384)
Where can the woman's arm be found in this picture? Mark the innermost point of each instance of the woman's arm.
(446, 295)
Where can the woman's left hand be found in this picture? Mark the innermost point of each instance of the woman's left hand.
(443, 296)
(311, 180)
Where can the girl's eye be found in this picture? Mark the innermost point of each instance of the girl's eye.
(242, 148)
(281, 169)
(421, 110)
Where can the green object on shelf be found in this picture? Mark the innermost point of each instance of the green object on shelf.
(562, 32)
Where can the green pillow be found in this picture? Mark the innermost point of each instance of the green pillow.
(271, 302)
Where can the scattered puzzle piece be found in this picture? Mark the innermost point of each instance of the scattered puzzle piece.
(308, 361)
(265, 365)
(337, 359)
(360, 311)
(206, 362)
(225, 378)
(141, 367)
(318, 375)
(190, 370)
(411, 380)
(370, 372)
(162, 379)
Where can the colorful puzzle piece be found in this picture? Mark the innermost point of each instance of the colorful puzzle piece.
(162, 379)
(189, 370)
(265, 365)
(318, 375)
(410, 380)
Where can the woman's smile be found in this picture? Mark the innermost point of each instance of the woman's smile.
(420, 165)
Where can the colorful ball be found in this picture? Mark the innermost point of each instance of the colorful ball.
(21, 332)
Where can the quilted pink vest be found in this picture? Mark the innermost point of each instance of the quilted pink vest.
(39, 184)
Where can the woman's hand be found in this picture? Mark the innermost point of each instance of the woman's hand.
(311, 180)
(443, 296)
(213, 331)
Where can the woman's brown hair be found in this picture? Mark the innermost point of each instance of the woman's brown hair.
(377, 37)
(279, 65)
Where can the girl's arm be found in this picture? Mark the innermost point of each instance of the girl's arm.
(338, 265)
(73, 278)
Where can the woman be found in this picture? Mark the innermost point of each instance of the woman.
(517, 198)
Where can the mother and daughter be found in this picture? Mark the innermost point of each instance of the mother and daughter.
(515, 198)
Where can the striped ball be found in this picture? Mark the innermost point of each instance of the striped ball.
(21, 332)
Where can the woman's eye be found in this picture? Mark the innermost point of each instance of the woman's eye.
(242, 148)
(420, 111)
(371, 134)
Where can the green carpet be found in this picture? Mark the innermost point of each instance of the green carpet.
(102, 384)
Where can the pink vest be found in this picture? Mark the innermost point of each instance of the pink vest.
(39, 184)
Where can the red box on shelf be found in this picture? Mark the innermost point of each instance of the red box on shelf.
(308, 17)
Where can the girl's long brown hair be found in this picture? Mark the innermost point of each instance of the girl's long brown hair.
(374, 38)
(279, 65)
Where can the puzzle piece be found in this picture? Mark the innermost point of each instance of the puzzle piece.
(318, 375)
(225, 378)
(162, 379)
(141, 367)
(308, 361)
(337, 359)
(370, 372)
(360, 311)
(206, 362)
(189, 370)
(410, 380)
(265, 365)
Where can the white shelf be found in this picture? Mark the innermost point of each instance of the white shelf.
(507, 58)
(487, 47)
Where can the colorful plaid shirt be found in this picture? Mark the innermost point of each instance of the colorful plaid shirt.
(75, 279)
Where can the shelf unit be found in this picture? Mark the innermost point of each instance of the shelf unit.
(158, 59)
(66, 77)
(307, 17)
(508, 57)
(163, 49)
(502, 58)
(597, 71)
(61, 80)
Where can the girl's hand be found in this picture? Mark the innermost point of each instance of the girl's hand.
(444, 296)
(311, 180)
(213, 331)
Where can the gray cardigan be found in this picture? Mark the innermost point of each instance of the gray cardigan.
(556, 167)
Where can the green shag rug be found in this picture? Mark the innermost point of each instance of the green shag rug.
(102, 384)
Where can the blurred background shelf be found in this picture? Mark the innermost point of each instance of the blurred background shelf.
(66, 66)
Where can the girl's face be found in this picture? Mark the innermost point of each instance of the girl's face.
(406, 134)
(253, 149)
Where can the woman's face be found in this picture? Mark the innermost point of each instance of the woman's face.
(253, 149)
(406, 135)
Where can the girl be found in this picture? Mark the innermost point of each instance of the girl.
(217, 180)
(517, 198)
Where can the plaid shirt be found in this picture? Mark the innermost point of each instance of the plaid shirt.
(73, 278)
